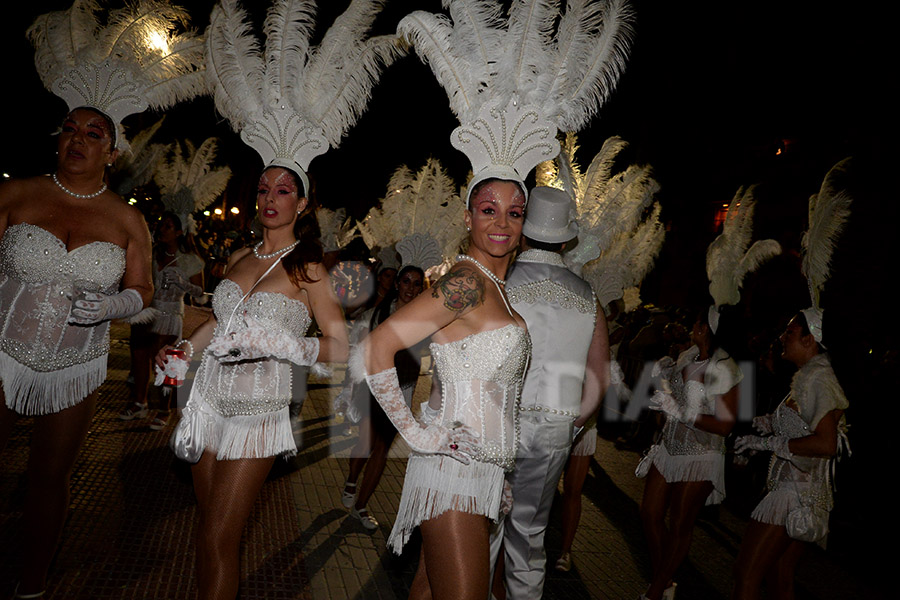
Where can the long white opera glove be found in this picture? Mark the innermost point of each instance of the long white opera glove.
(763, 424)
(90, 308)
(666, 403)
(775, 443)
(459, 443)
(174, 278)
(258, 342)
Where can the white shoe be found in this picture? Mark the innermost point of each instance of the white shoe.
(135, 411)
(669, 593)
(564, 563)
(362, 515)
(348, 499)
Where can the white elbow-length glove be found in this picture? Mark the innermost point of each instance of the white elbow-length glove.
(773, 443)
(258, 342)
(666, 403)
(175, 278)
(460, 443)
(764, 424)
(90, 308)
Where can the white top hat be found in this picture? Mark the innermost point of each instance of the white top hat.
(550, 217)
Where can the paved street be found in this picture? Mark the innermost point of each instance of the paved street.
(130, 529)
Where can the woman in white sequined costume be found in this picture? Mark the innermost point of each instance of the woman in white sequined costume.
(687, 465)
(455, 475)
(803, 434)
(177, 270)
(60, 235)
(239, 403)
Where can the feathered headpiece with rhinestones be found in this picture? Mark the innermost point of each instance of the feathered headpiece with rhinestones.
(424, 203)
(728, 259)
(135, 167)
(188, 182)
(142, 57)
(512, 82)
(292, 101)
(829, 211)
(616, 245)
(336, 227)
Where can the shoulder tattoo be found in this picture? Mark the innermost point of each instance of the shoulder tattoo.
(462, 288)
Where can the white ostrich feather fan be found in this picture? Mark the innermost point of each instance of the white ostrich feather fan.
(143, 56)
(337, 229)
(424, 203)
(512, 82)
(136, 167)
(728, 259)
(829, 211)
(291, 102)
(189, 182)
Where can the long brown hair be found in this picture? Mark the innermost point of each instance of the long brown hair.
(306, 229)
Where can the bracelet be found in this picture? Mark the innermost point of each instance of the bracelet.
(188, 342)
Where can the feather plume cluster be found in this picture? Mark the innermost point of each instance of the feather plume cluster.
(829, 211)
(291, 101)
(141, 56)
(336, 227)
(617, 244)
(187, 180)
(728, 259)
(135, 168)
(566, 64)
(424, 203)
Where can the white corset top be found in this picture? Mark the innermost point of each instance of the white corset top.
(481, 376)
(37, 273)
(251, 387)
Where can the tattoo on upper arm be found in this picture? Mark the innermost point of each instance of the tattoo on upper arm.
(462, 288)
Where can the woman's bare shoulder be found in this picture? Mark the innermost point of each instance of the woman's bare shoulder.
(461, 288)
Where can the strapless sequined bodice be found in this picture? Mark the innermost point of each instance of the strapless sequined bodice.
(251, 387)
(481, 377)
(37, 274)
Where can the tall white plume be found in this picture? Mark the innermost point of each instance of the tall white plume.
(135, 168)
(337, 228)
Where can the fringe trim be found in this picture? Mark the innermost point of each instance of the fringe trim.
(248, 436)
(147, 315)
(32, 393)
(693, 467)
(775, 507)
(435, 484)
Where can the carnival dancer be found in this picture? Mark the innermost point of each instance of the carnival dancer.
(73, 255)
(237, 418)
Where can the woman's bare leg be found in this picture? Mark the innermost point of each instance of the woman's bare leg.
(383, 433)
(573, 483)
(781, 576)
(686, 500)
(456, 550)
(359, 455)
(654, 506)
(763, 545)
(55, 445)
(226, 491)
(8, 419)
(420, 588)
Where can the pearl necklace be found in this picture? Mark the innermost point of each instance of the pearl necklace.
(71, 193)
(287, 248)
(482, 268)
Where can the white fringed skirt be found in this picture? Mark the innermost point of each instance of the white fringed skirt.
(587, 443)
(244, 436)
(32, 393)
(709, 466)
(435, 484)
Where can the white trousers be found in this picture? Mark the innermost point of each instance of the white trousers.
(544, 444)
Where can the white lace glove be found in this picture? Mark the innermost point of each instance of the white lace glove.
(763, 424)
(258, 342)
(174, 278)
(90, 308)
(459, 443)
(773, 443)
(176, 368)
(506, 500)
(666, 403)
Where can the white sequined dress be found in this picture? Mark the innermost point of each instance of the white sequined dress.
(168, 301)
(244, 406)
(47, 365)
(481, 377)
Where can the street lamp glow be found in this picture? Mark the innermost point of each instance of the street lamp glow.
(218, 211)
(235, 210)
(205, 213)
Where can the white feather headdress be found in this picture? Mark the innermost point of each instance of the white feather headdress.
(292, 101)
(829, 211)
(513, 82)
(728, 259)
(141, 57)
(423, 203)
(136, 167)
(336, 227)
(616, 245)
(188, 182)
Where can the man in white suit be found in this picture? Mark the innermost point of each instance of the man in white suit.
(564, 384)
